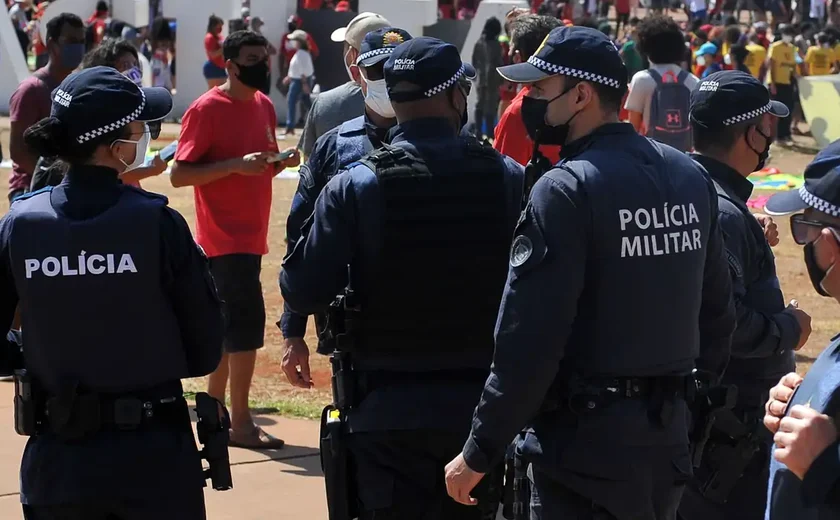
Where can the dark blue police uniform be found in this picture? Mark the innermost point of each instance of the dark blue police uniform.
(118, 305)
(817, 496)
(618, 287)
(732, 480)
(425, 226)
(341, 146)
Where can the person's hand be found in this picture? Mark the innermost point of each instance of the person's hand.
(252, 164)
(779, 397)
(295, 362)
(802, 437)
(771, 231)
(287, 80)
(804, 321)
(289, 162)
(460, 480)
(772, 89)
(158, 165)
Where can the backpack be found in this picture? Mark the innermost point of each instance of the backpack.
(668, 122)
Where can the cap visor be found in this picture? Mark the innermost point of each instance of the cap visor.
(778, 109)
(785, 203)
(338, 34)
(373, 60)
(522, 73)
(469, 71)
(158, 104)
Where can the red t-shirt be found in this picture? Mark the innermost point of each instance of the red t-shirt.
(29, 104)
(213, 43)
(622, 6)
(231, 213)
(512, 139)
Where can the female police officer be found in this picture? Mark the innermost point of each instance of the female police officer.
(117, 305)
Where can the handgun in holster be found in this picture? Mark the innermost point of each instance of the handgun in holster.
(29, 404)
(214, 434)
(729, 461)
(708, 400)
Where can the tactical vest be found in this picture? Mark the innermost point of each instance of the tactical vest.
(352, 142)
(94, 309)
(443, 261)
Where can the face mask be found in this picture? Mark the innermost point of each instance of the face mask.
(727, 59)
(533, 115)
(134, 75)
(464, 115)
(253, 76)
(787, 39)
(701, 61)
(377, 98)
(346, 66)
(764, 154)
(816, 274)
(141, 146)
(71, 55)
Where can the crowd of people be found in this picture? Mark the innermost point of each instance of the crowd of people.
(561, 257)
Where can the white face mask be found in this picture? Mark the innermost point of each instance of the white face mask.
(377, 98)
(346, 66)
(701, 60)
(787, 38)
(727, 59)
(141, 146)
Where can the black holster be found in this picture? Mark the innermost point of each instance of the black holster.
(708, 402)
(29, 404)
(214, 434)
(521, 488)
(342, 503)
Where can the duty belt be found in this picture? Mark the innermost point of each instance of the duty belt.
(92, 412)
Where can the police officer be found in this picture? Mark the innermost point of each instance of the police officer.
(336, 149)
(732, 119)
(425, 225)
(118, 306)
(616, 261)
(804, 414)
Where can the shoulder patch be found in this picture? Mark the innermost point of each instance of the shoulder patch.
(520, 251)
(307, 180)
(734, 264)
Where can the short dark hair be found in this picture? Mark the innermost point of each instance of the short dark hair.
(101, 5)
(719, 139)
(609, 97)
(823, 38)
(492, 28)
(213, 21)
(234, 43)
(56, 25)
(635, 20)
(528, 31)
(661, 40)
(730, 20)
(732, 34)
(108, 53)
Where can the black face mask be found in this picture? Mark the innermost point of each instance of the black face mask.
(763, 155)
(253, 75)
(815, 273)
(465, 114)
(533, 115)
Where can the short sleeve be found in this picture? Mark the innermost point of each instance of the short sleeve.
(196, 136)
(641, 88)
(23, 105)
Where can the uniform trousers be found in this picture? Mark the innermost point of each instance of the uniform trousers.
(189, 506)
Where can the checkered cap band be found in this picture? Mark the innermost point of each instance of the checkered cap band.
(374, 52)
(551, 68)
(446, 84)
(746, 116)
(116, 125)
(818, 203)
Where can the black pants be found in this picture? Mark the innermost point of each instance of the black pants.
(784, 93)
(187, 507)
(400, 476)
(486, 108)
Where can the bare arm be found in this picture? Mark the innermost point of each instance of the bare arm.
(18, 150)
(637, 120)
(192, 174)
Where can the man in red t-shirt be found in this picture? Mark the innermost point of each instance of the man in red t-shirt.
(527, 32)
(31, 101)
(99, 22)
(226, 151)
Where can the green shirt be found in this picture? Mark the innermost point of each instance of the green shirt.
(632, 59)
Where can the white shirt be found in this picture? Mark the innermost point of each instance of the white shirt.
(301, 65)
(145, 69)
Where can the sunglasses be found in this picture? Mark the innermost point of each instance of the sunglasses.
(805, 230)
(154, 129)
(465, 86)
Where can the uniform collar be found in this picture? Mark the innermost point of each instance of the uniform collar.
(579, 145)
(726, 175)
(425, 128)
(90, 176)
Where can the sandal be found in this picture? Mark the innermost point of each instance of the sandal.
(256, 439)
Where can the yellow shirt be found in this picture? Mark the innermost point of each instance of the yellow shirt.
(819, 61)
(755, 59)
(784, 62)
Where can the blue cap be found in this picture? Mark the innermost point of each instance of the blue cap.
(428, 63)
(100, 100)
(821, 190)
(380, 44)
(707, 48)
(579, 52)
(730, 97)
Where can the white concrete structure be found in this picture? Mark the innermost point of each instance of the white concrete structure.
(133, 12)
(274, 13)
(410, 15)
(13, 67)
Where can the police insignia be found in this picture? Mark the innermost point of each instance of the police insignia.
(520, 251)
(392, 38)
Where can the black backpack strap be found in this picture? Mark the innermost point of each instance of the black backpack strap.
(392, 160)
(681, 77)
(657, 77)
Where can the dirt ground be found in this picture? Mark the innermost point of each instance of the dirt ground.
(273, 394)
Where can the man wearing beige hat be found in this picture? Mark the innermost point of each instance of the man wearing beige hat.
(346, 101)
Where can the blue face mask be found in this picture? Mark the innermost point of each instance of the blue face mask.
(72, 54)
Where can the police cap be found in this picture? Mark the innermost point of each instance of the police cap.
(580, 52)
(100, 100)
(730, 97)
(430, 64)
(821, 190)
